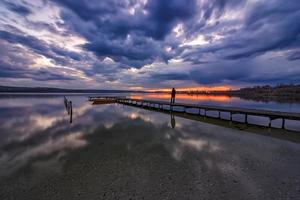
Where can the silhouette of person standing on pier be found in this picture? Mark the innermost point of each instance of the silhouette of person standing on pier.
(173, 94)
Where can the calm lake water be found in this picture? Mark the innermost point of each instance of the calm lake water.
(121, 152)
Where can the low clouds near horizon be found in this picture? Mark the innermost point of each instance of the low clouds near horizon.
(121, 44)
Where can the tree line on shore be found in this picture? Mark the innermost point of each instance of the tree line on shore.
(281, 93)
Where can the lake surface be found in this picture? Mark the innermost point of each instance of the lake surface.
(121, 152)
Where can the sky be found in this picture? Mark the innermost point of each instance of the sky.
(148, 44)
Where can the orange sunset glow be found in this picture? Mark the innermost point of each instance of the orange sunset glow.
(165, 96)
(202, 88)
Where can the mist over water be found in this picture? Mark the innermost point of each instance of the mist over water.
(116, 151)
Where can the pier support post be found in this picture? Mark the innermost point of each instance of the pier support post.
(219, 114)
(199, 111)
(283, 123)
(270, 123)
(230, 116)
(246, 118)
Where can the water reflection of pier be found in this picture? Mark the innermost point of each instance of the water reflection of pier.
(208, 113)
(272, 115)
(284, 134)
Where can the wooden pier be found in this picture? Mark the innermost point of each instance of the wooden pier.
(184, 107)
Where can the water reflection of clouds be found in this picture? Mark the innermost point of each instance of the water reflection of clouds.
(29, 122)
(22, 102)
(29, 135)
(200, 146)
(155, 118)
(37, 135)
(180, 138)
(13, 160)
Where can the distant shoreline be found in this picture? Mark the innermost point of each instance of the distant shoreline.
(280, 93)
(46, 90)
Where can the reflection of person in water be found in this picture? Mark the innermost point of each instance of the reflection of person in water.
(69, 108)
(173, 122)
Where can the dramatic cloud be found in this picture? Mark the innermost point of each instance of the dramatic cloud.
(149, 43)
(58, 55)
(20, 9)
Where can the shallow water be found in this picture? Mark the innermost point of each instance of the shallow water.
(121, 152)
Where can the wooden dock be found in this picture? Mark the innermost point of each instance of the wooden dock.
(184, 107)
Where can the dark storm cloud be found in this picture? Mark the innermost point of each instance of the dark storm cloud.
(170, 76)
(209, 73)
(132, 39)
(221, 72)
(107, 24)
(59, 55)
(136, 52)
(20, 9)
(234, 72)
(112, 17)
(207, 10)
(10, 70)
(269, 26)
(15, 62)
(295, 55)
(164, 14)
(234, 34)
